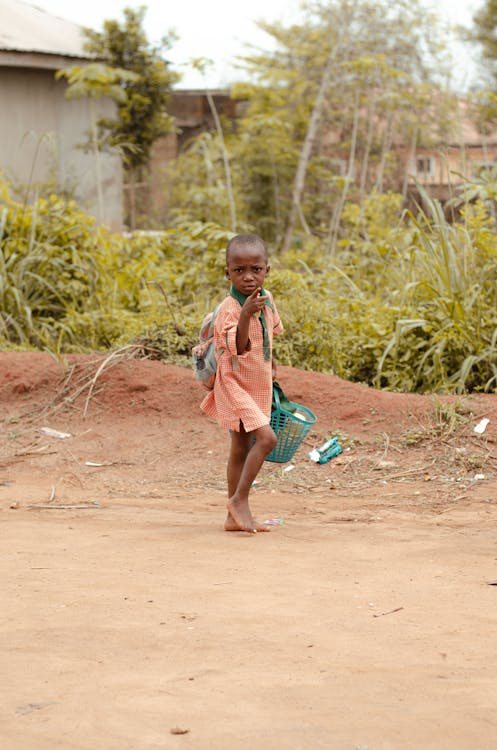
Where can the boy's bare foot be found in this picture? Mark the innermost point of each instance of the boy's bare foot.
(231, 525)
(241, 515)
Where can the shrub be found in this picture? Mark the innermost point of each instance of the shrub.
(408, 303)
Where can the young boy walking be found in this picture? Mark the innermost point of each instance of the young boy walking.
(241, 398)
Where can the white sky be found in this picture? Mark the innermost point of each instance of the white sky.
(219, 29)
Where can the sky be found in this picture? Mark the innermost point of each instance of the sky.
(220, 29)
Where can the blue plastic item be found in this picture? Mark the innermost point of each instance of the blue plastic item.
(327, 451)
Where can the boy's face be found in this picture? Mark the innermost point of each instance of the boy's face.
(247, 267)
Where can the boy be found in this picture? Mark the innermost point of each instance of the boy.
(241, 398)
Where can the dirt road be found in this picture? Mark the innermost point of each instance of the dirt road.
(131, 621)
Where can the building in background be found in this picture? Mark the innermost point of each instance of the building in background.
(463, 156)
(192, 116)
(42, 132)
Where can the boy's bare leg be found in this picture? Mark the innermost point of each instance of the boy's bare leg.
(246, 471)
(239, 448)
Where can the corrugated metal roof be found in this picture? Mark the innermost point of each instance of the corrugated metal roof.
(26, 28)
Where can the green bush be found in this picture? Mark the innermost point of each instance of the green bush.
(409, 302)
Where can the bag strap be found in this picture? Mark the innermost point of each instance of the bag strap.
(276, 396)
(281, 400)
(210, 332)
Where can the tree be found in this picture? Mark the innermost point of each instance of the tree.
(141, 116)
(321, 114)
(201, 64)
(319, 84)
(484, 32)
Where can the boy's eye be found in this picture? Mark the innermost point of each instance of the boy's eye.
(254, 269)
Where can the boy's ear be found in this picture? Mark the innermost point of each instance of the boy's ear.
(268, 268)
(226, 272)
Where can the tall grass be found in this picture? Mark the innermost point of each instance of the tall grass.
(445, 332)
(408, 303)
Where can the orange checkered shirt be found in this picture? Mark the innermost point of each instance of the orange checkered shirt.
(244, 385)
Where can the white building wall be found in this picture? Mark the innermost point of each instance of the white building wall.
(40, 131)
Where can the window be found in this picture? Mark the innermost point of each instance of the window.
(424, 166)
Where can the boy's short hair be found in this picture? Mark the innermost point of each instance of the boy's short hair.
(246, 239)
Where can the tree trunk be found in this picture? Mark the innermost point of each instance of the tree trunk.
(132, 199)
(387, 141)
(305, 154)
(337, 213)
(277, 202)
(411, 156)
(367, 150)
(227, 170)
(490, 203)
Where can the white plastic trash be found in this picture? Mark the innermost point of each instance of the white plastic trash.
(481, 426)
(300, 415)
(54, 433)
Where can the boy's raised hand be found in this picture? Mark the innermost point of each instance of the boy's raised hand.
(252, 306)
(254, 302)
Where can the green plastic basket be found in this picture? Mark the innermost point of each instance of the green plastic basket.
(290, 430)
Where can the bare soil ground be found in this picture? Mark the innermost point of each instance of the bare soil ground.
(132, 621)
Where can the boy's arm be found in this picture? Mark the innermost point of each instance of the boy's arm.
(242, 333)
(253, 304)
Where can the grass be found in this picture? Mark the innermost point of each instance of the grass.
(412, 311)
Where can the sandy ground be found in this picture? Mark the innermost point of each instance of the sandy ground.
(132, 621)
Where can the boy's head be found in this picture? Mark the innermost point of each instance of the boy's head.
(246, 262)
(245, 240)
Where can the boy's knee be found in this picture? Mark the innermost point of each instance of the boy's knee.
(269, 440)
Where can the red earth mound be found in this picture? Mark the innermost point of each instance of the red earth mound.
(30, 382)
